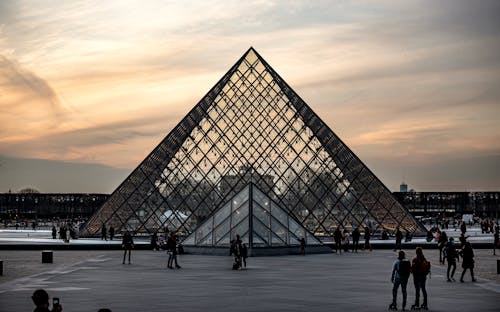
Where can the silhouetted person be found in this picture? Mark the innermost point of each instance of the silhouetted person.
(463, 228)
(337, 237)
(237, 252)
(154, 242)
(172, 251)
(401, 270)
(127, 245)
(302, 246)
(54, 232)
(355, 239)
(399, 238)
(451, 256)
(367, 238)
(407, 236)
(442, 241)
(103, 232)
(244, 254)
(496, 240)
(463, 240)
(420, 267)
(41, 300)
(385, 235)
(111, 232)
(467, 261)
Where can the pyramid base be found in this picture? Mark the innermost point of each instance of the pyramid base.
(257, 251)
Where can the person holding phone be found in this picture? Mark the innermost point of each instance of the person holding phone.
(41, 300)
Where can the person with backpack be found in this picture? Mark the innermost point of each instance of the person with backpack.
(451, 255)
(467, 261)
(420, 268)
(401, 270)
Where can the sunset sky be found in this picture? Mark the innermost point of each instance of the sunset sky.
(89, 88)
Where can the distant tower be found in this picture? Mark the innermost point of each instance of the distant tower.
(403, 187)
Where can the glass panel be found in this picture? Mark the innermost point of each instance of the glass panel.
(261, 230)
(279, 230)
(222, 230)
(261, 214)
(279, 214)
(240, 213)
(222, 214)
(203, 231)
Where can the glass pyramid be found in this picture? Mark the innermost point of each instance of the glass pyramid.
(251, 127)
(258, 220)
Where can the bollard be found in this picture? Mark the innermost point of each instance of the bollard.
(498, 266)
(1, 267)
(47, 256)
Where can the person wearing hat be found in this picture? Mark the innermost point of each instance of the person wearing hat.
(451, 255)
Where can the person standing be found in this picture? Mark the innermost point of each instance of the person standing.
(496, 240)
(302, 246)
(54, 232)
(420, 268)
(172, 251)
(463, 228)
(154, 242)
(401, 270)
(467, 261)
(355, 240)
(103, 232)
(41, 300)
(127, 245)
(111, 232)
(451, 255)
(345, 240)
(367, 239)
(399, 238)
(337, 237)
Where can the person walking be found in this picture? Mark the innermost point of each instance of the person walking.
(420, 268)
(367, 239)
(451, 255)
(401, 269)
(127, 245)
(337, 237)
(399, 238)
(467, 261)
(355, 240)
(244, 254)
(172, 251)
(442, 241)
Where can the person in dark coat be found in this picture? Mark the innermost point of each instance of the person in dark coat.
(154, 242)
(399, 238)
(367, 238)
(442, 241)
(451, 256)
(127, 245)
(103, 232)
(111, 232)
(172, 251)
(337, 237)
(244, 254)
(420, 268)
(54, 232)
(355, 240)
(467, 261)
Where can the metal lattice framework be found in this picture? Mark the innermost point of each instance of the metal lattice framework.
(251, 127)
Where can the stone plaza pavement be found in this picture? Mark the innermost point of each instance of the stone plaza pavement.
(89, 280)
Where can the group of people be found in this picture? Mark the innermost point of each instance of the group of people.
(239, 250)
(66, 232)
(401, 271)
(342, 240)
(104, 232)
